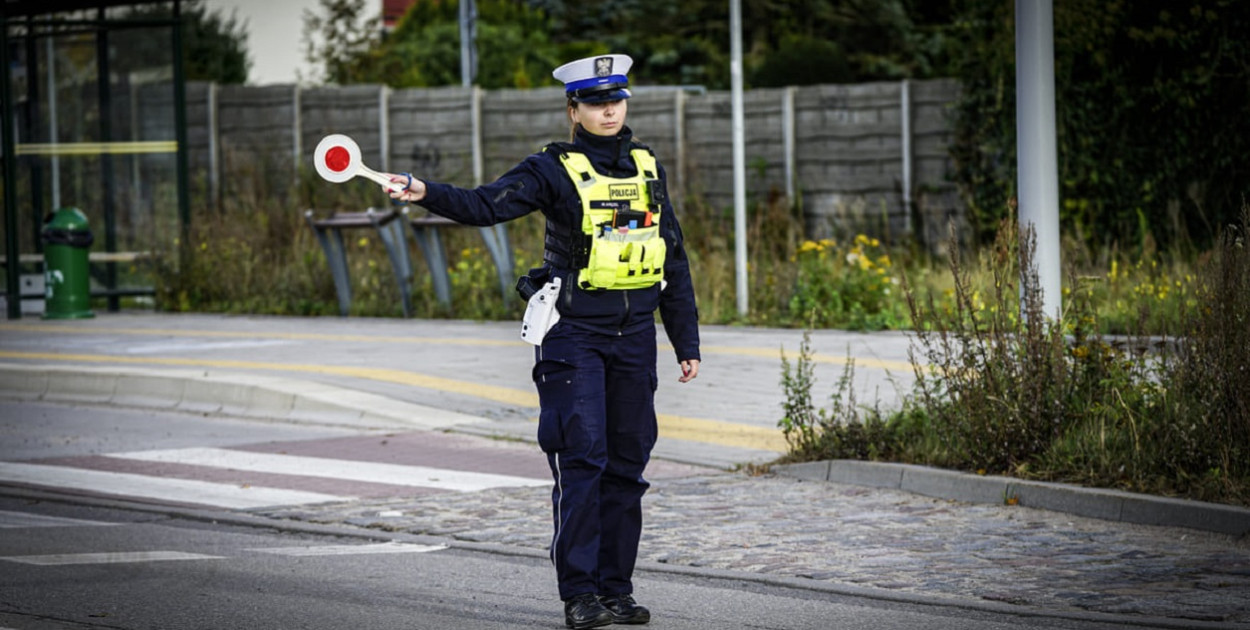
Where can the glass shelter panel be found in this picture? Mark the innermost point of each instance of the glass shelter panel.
(94, 97)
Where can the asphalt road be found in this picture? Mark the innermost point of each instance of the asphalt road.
(135, 518)
(68, 566)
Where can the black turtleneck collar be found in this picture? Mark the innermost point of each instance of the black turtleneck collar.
(608, 154)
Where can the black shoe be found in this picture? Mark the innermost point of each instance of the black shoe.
(625, 610)
(585, 611)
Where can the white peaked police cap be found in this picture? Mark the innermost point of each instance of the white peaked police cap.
(596, 79)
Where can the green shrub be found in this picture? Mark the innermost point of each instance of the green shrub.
(844, 430)
(1204, 429)
(849, 287)
(1002, 389)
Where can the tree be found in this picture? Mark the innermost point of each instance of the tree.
(787, 43)
(798, 42)
(514, 49)
(214, 47)
(1152, 112)
(802, 60)
(340, 40)
(513, 46)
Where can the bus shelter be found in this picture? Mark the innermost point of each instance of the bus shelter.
(94, 119)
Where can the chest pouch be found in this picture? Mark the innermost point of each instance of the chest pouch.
(621, 217)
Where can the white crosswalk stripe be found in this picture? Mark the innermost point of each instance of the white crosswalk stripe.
(394, 474)
(61, 559)
(15, 520)
(350, 550)
(117, 557)
(231, 496)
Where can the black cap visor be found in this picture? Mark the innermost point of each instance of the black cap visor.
(600, 93)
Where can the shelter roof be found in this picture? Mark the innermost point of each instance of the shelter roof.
(14, 8)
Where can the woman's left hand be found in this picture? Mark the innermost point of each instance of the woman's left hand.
(689, 370)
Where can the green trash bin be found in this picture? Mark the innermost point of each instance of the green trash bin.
(66, 238)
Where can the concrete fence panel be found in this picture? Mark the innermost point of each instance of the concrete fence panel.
(868, 158)
(430, 133)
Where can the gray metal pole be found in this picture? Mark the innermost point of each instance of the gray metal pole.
(678, 191)
(54, 135)
(214, 154)
(468, 42)
(1036, 152)
(905, 142)
(183, 156)
(8, 118)
(475, 117)
(104, 91)
(788, 140)
(739, 155)
(297, 124)
(384, 126)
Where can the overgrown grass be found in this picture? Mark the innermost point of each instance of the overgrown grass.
(256, 254)
(1002, 389)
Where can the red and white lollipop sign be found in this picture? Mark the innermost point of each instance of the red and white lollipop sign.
(337, 160)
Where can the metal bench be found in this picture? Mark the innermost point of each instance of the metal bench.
(329, 232)
(425, 231)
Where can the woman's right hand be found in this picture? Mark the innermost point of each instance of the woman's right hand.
(413, 192)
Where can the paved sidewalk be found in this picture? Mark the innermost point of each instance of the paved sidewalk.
(875, 542)
(479, 371)
(958, 547)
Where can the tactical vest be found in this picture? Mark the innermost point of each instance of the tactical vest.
(620, 246)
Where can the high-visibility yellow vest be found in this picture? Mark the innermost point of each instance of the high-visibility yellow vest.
(626, 249)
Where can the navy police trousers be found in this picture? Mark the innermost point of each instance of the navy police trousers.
(597, 427)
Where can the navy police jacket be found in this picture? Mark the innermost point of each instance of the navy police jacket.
(541, 183)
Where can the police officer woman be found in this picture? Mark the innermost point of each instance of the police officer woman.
(613, 255)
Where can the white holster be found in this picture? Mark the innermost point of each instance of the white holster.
(541, 313)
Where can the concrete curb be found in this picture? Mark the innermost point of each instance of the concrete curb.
(1109, 505)
(214, 392)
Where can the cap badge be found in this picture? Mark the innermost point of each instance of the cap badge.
(603, 66)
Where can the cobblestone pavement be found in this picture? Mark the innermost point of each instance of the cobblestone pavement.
(874, 538)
